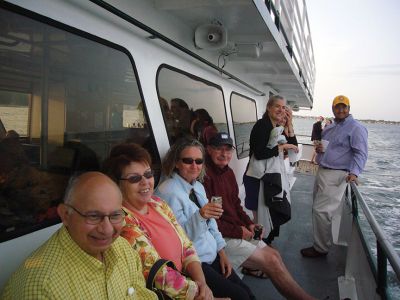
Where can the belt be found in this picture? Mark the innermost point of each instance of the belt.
(326, 168)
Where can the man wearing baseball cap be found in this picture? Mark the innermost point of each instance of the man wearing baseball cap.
(341, 156)
(236, 227)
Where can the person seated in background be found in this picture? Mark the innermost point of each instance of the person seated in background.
(316, 135)
(183, 167)
(72, 264)
(181, 115)
(28, 195)
(202, 126)
(167, 114)
(328, 121)
(151, 227)
(242, 247)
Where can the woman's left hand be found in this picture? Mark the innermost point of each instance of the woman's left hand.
(204, 292)
(287, 147)
(226, 266)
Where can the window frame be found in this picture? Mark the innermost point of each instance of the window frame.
(233, 121)
(193, 77)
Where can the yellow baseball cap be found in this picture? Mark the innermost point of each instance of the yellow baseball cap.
(341, 99)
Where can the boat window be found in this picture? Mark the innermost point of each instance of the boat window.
(181, 96)
(244, 116)
(65, 100)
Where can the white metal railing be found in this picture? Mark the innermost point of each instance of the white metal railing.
(291, 18)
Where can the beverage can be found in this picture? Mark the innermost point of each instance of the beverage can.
(216, 199)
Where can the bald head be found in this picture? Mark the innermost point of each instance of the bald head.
(88, 184)
(90, 196)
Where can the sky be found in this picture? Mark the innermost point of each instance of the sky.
(357, 53)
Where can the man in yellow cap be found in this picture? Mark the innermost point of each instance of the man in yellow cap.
(341, 156)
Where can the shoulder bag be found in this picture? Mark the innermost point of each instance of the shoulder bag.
(150, 282)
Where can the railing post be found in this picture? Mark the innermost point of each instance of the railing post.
(382, 271)
(354, 204)
(277, 20)
(268, 4)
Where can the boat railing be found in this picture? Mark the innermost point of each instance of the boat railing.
(304, 139)
(291, 20)
(241, 149)
(385, 249)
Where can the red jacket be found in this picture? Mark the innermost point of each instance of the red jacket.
(222, 182)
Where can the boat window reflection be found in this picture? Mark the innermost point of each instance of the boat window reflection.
(180, 94)
(244, 116)
(65, 100)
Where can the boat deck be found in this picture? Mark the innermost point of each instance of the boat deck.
(317, 276)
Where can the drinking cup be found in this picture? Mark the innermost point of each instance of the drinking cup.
(325, 144)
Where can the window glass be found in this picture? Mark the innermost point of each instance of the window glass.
(14, 111)
(65, 101)
(244, 116)
(187, 103)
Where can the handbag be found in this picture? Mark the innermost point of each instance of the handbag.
(279, 207)
(150, 284)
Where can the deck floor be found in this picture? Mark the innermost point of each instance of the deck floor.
(317, 276)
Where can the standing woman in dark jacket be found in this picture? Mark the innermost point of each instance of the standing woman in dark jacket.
(259, 138)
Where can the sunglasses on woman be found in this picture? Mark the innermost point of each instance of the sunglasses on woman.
(189, 161)
(136, 178)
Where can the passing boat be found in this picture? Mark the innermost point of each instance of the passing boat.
(78, 77)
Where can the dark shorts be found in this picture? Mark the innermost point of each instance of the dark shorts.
(252, 187)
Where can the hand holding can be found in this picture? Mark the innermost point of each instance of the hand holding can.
(257, 232)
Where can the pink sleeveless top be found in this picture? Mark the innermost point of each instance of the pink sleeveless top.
(162, 235)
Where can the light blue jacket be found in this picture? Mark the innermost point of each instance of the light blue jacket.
(206, 237)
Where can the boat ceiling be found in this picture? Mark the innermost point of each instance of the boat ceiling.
(247, 29)
(255, 52)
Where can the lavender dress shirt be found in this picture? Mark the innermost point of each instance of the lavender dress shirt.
(347, 148)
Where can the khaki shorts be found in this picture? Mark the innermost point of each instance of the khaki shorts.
(239, 250)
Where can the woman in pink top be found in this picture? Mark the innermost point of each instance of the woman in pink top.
(151, 227)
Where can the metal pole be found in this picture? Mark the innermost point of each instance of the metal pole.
(382, 271)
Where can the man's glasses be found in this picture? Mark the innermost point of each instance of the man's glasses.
(189, 161)
(137, 178)
(96, 218)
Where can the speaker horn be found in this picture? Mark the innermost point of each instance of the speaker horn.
(210, 37)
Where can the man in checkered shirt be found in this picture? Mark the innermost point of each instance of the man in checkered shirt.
(85, 258)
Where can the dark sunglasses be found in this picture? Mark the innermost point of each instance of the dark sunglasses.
(137, 178)
(189, 161)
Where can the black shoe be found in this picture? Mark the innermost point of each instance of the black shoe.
(310, 252)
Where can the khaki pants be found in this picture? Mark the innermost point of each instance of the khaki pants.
(329, 188)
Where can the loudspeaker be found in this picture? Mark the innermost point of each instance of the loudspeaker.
(210, 37)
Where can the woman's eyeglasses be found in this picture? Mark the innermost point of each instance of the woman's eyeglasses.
(137, 178)
(189, 161)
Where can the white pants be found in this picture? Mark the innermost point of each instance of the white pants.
(329, 188)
